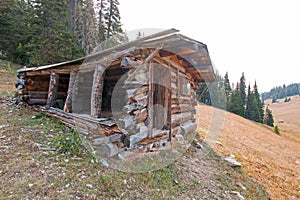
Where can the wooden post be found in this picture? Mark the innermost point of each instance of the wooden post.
(68, 102)
(96, 96)
(170, 114)
(150, 104)
(53, 87)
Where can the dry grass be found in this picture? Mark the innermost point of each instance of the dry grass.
(287, 117)
(271, 159)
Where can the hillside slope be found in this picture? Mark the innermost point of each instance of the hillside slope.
(287, 116)
(271, 159)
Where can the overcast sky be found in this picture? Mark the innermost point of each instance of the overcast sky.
(258, 37)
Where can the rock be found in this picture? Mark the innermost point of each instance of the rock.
(104, 163)
(231, 160)
(199, 146)
(90, 186)
(48, 149)
(238, 194)
(176, 182)
(241, 186)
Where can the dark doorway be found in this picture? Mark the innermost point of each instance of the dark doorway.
(161, 97)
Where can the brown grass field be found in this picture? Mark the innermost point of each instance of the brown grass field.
(287, 117)
(273, 160)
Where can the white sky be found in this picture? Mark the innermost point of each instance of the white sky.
(258, 37)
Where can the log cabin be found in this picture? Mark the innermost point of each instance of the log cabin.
(139, 96)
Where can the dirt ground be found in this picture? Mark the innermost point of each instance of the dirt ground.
(273, 160)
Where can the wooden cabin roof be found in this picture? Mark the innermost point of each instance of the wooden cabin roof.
(188, 55)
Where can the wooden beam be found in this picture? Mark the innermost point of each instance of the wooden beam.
(53, 87)
(68, 102)
(96, 96)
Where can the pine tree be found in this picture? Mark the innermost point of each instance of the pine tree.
(242, 89)
(215, 95)
(227, 86)
(51, 39)
(15, 29)
(260, 114)
(227, 89)
(235, 104)
(247, 110)
(113, 19)
(83, 23)
(268, 119)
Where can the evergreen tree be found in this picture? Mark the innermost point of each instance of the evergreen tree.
(254, 107)
(113, 25)
(15, 30)
(83, 23)
(227, 86)
(247, 110)
(236, 104)
(260, 114)
(242, 89)
(215, 95)
(268, 119)
(52, 40)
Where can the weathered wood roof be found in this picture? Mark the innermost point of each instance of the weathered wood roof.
(185, 53)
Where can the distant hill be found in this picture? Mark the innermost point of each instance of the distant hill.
(273, 160)
(280, 92)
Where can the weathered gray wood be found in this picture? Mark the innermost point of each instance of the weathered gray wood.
(150, 104)
(68, 102)
(127, 62)
(188, 128)
(181, 118)
(96, 96)
(53, 87)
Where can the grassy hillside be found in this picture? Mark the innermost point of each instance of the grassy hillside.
(287, 116)
(271, 159)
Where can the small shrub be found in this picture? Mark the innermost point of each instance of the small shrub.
(276, 129)
(69, 143)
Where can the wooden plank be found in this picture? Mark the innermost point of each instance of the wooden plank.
(96, 96)
(53, 87)
(68, 102)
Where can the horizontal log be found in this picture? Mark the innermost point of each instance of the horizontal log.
(44, 94)
(182, 108)
(181, 118)
(151, 140)
(37, 101)
(188, 128)
(160, 132)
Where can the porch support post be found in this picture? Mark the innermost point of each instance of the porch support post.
(68, 102)
(97, 89)
(53, 88)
